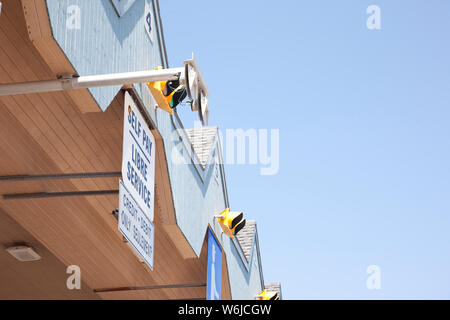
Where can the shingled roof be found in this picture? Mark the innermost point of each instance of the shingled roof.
(245, 237)
(274, 286)
(202, 140)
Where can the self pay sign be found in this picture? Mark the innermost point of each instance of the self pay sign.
(138, 158)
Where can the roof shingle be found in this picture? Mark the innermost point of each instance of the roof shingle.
(273, 286)
(202, 140)
(245, 237)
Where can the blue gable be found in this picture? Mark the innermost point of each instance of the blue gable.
(97, 41)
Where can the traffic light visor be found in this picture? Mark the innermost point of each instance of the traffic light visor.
(234, 218)
(239, 227)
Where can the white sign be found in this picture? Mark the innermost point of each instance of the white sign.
(138, 158)
(135, 226)
(148, 21)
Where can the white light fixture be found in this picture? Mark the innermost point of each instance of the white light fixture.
(196, 90)
(23, 253)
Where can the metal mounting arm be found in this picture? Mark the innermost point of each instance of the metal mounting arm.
(73, 83)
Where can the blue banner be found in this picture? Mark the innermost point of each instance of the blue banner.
(214, 277)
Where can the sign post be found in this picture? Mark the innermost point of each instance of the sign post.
(138, 158)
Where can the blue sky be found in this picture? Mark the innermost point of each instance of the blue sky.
(363, 117)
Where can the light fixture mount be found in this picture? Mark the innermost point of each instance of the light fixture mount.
(23, 253)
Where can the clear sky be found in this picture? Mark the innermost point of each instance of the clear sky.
(364, 123)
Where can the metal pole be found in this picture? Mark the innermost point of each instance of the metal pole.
(38, 195)
(73, 83)
(82, 175)
(167, 286)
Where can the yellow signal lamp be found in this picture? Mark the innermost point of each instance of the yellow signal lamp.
(267, 295)
(168, 94)
(157, 88)
(231, 222)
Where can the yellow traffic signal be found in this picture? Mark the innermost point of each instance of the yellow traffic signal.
(231, 222)
(168, 94)
(156, 89)
(267, 295)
